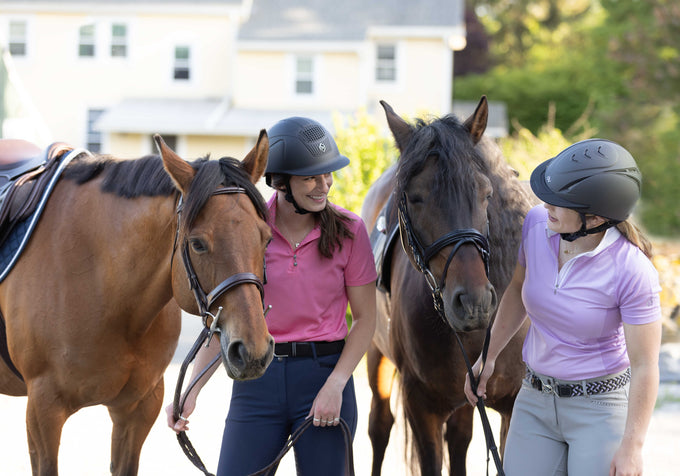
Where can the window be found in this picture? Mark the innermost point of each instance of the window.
(386, 63)
(182, 59)
(17, 38)
(170, 141)
(119, 40)
(86, 41)
(304, 75)
(94, 137)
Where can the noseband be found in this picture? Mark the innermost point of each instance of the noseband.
(203, 300)
(422, 255)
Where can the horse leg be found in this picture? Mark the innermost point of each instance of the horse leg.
(381, 373)
(458, 436)
(426, 425)
(45, 418)
(131, 426)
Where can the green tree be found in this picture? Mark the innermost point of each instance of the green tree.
(370, 152)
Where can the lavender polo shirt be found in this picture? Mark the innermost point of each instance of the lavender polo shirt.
(577, 313)
(306, 290)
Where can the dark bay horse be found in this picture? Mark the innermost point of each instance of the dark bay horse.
(456, 201)
(92, 306)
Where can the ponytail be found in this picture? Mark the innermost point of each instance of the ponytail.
(633, 234)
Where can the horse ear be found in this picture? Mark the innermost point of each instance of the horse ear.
(401, 130)
(255, 162)
(180, 170)
(476, 123)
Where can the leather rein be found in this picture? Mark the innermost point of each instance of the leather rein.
(422, 256)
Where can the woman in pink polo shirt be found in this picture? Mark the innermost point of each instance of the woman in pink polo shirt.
(585, 280)
(318, 261)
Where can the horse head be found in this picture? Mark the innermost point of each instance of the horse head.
(220, 245)
(443, 192)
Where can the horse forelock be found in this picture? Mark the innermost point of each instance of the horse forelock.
(456, 160)
(211, 174)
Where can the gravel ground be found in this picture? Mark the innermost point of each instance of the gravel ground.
(86, 437)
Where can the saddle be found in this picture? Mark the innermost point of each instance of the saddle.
(25, 171)
(383, 236)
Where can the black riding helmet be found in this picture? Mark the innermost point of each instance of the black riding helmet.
(301, 146)
(594, 176)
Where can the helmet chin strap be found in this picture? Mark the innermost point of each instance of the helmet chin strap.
(583, 231)
(289, 198)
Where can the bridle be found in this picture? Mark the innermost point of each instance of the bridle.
(205, 301)
(422, 255)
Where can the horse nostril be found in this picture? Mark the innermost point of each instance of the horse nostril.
(237, 354)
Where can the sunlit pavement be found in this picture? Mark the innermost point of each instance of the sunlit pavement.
(85, 441)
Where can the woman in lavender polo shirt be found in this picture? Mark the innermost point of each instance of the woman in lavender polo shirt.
(318, 261)
(585, 280)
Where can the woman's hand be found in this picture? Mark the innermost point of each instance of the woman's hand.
(327, 404)
(481, 384)
(181, 424)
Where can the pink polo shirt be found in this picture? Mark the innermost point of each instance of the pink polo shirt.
(308, 291)
(577, 313)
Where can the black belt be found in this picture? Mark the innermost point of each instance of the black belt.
(308, 349)
(587, 387)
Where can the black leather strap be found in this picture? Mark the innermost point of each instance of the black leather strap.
(308, 349)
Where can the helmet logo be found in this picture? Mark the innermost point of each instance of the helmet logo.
(322, 147)
(548, 179)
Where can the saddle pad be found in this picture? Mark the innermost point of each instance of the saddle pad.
(383, 236)
(18, 238)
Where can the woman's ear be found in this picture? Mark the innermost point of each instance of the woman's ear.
(593, 221)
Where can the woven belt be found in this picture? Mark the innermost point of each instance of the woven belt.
(308, 349)
(586, 387)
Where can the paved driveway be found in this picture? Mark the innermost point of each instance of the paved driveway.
(85, 441)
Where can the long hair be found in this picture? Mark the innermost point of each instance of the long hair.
(333, 223)
(633, 234)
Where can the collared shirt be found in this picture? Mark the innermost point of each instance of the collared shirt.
(577, 312)
(306, 290)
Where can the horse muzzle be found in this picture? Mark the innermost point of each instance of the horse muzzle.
(242, 361)
(470, 309)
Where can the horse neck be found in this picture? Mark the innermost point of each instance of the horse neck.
(134, 237)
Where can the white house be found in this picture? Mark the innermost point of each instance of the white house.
(210, 74)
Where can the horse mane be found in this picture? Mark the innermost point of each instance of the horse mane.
(146, 177)
(457, 163)
(509, 205)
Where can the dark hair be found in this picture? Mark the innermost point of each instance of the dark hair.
(333, 223)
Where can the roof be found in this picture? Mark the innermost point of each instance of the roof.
(210, 116)
(347, 20)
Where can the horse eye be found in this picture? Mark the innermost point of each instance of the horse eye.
(197, 245)
(415, 199)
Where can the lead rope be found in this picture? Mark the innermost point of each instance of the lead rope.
(178, 405)
(292, 439)
(488, 434)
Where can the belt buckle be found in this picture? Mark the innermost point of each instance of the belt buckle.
(546, 388)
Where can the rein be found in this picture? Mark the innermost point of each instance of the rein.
(422, 256)
(204, 302)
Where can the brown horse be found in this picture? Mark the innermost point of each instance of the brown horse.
(89, 308)
(455, 201)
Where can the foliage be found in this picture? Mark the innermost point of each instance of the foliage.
(619, 61)
(370, 152)
(524, 151)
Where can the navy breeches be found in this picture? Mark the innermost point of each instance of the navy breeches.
(265, 411)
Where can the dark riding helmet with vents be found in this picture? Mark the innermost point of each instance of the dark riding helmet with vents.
(594, 176)
(303, 147)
